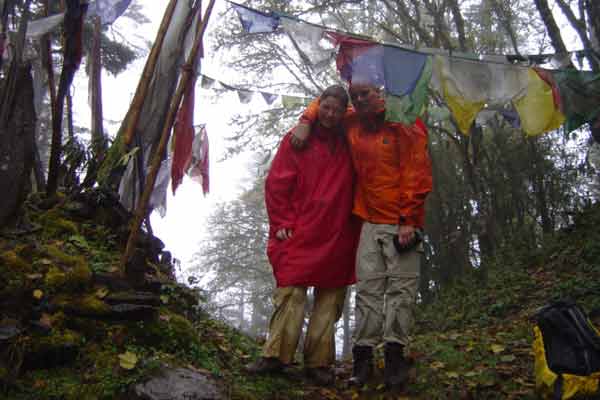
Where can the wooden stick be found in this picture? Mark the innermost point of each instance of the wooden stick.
(188, 72)
(133, 115)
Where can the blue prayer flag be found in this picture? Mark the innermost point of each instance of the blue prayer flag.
(402, 69)
(256, 21)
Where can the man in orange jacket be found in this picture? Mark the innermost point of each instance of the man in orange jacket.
(393, 179)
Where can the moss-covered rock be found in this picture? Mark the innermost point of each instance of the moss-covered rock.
(56, 225)
(171, 332)
(13, 276)
(67, 272)
(87, 305)
(12, 261)
(59, 348)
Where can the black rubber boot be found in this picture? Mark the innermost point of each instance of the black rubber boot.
(322, 376)
(265, 365)
(362, 368)
(395, 374)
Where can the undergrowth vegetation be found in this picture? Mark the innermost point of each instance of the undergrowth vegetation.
(473, 341)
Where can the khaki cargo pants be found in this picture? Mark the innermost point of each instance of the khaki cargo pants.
(387, 287)
(286, 325)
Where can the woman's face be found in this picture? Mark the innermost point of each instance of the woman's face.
(331, 112)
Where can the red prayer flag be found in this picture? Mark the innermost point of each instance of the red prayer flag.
(184, 137)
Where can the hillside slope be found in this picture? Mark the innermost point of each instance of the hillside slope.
(72, 328)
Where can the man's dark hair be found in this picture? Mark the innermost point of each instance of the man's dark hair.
(338, 92)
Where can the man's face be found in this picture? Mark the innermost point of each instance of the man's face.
(366, 98)
(331, 112)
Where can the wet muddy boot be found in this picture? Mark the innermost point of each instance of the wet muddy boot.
(265, 365)
(395, 375)
(362, 367)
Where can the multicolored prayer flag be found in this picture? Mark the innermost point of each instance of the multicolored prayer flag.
(407, 108)
(467, 86)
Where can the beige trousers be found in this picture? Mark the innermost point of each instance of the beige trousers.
(286, 325)
(387, 287)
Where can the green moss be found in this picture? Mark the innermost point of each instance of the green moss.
(54, 343)
(68, 260)
(76, 276)
(86, 305)
(13, 261)
(171, 332)
(13, 271)
(79, 276)
(55, 278)
(55, 225)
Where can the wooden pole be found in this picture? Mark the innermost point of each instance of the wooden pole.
(189, 69)
(142, 89)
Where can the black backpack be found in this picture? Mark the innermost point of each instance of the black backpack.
(571, 343)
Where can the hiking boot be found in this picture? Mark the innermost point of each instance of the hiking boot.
(396, 370)
(265, 365)
(362, 367)
(322, 376)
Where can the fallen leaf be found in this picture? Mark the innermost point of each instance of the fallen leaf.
(496, 348)
(437, 365)
(224, 348)
(471, 374)
(45, 320)
(34, 276)
(38, 294)
(39, 383)
(128, 360)
(508, 358)
(452, 374)
(101, 293)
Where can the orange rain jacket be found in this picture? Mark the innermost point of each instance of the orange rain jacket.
(392, 166)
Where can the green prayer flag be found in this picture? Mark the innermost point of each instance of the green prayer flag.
(406, 109)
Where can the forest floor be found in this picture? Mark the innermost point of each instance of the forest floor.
(473, 341)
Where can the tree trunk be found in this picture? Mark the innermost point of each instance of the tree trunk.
(71, 58)
(17, 144)
(98, 137)
(70, 126)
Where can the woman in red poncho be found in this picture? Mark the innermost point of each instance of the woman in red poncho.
(312, 241)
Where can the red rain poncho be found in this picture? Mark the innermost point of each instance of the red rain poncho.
(310, 192)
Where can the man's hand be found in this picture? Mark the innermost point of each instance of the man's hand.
(300, 135)
(406, 233)
(284, 234)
